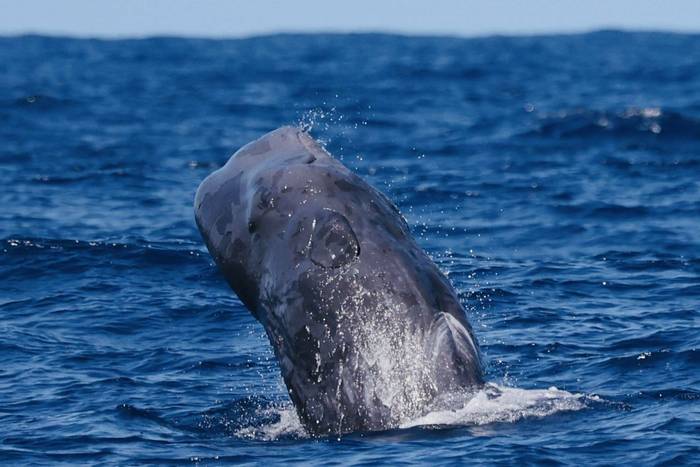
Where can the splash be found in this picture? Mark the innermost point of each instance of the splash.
(287, 425)
(499, 404)
(318, 118)
(492, 404)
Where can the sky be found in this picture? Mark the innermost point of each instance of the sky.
(239, 18)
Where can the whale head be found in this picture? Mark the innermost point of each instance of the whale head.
(366, 328)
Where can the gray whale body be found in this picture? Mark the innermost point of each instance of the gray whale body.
(367, 330)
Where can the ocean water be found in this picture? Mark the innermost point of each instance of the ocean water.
(556, 180)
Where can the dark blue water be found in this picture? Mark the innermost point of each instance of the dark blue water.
(556, 180)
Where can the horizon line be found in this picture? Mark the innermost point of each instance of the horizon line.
(349, 32)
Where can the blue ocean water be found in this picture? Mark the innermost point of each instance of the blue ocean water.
(556, 180)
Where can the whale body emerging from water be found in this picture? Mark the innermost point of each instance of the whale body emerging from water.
(367, 330)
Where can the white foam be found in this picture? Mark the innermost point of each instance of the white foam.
(492, 404)
(496, 403)
(288, 426)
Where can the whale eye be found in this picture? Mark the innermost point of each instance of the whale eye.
(333, 242)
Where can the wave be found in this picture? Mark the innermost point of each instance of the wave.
(160, 252)
(645, 122)
(661, 358)
(603, 210)
(41, 102)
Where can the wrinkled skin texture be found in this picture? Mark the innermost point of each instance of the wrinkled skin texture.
(368, 332)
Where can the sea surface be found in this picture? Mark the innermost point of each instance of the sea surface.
(556, 180)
